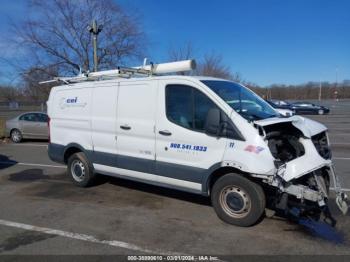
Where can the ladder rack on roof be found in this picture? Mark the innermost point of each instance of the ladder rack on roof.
(128, 72)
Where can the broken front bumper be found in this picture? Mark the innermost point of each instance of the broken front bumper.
(303, 192)
(307, 164)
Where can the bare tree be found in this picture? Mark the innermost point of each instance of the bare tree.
(237, 77)
(213, 65)
(31, 87)
(306, 91)
(182, 53)
(57, 36)
(8, 93)
(210, 65)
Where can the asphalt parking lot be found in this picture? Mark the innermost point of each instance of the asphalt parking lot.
(41, 212)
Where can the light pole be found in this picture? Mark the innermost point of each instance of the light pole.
(336, 84)
(95, 30)
(336, 77)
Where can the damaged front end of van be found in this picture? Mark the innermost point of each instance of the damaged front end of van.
(303, 168)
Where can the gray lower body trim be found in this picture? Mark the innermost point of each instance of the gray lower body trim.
(170, 170)
(101, 158)
(187, 173)
(135, 164)
(56, 152)
(152, 182)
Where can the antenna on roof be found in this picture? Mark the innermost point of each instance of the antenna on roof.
(127, 72)
(145, 61)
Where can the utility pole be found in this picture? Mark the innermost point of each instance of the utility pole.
(95, 30)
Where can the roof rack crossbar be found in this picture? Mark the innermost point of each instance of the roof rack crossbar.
(127, 72)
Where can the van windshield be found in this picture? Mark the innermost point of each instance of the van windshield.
(242, 100)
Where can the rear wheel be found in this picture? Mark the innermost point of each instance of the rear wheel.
(16, 136)
(80, 170)
(237, 200)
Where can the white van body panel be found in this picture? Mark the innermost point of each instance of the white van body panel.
(70, 110)
(137, 111)
(103, 116)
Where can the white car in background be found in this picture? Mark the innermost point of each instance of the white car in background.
(285, 112)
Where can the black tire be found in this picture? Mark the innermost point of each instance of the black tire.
(80, 170)
(237, 200)
(16, 136)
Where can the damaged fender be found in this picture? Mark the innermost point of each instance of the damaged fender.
(305, 162)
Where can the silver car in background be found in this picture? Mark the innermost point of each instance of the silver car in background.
(28, 125)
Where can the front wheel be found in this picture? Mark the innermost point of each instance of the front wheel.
(80, 170)
(320, 112)
(237, 200)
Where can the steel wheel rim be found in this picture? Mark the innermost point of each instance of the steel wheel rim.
(78, 170)
(16, 136)
(235, 201)
(320, 112)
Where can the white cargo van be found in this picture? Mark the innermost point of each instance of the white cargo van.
(203, 135)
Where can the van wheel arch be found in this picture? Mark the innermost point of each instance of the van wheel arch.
(70, 151)
(216, 174)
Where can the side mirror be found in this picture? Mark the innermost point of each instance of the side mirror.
(212, 123)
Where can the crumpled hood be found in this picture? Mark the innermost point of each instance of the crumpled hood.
(307, 126)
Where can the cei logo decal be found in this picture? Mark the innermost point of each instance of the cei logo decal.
(71, 102)
(254, 149)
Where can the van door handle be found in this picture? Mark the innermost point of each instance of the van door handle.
(125, 127)
(165, 133)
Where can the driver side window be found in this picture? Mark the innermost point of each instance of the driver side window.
(187, 106)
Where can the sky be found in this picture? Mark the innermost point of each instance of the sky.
(266, 41)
